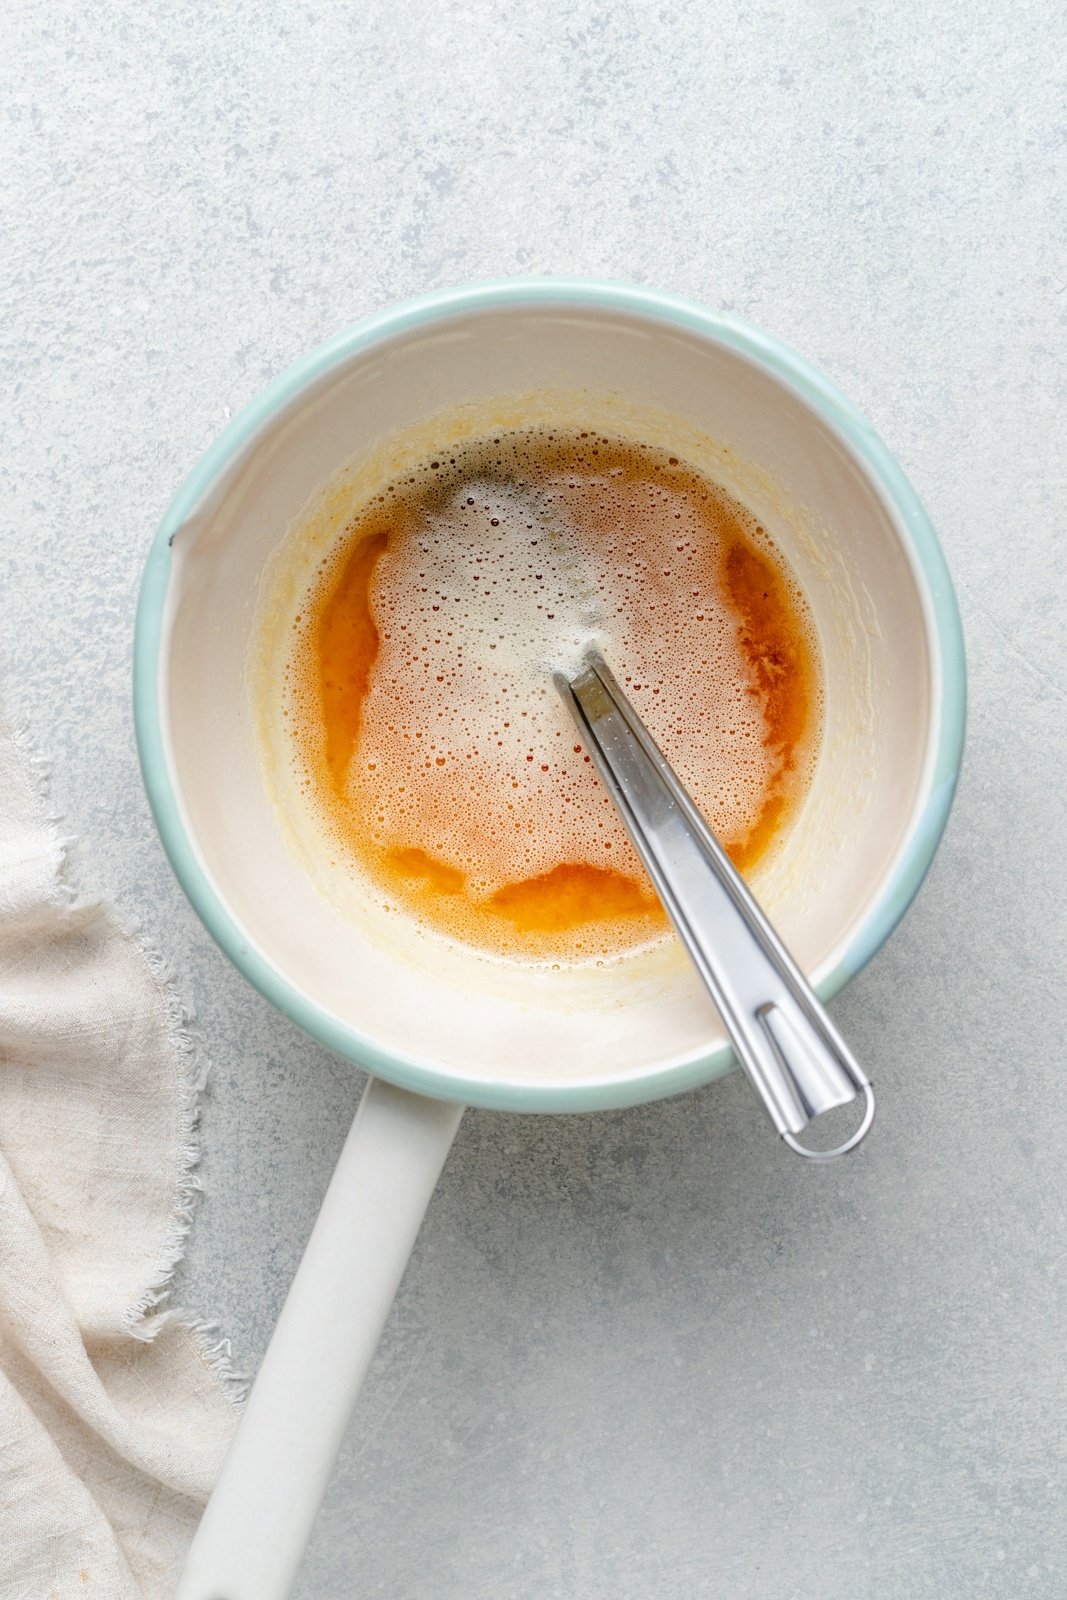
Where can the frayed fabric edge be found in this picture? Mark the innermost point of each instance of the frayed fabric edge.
(150, 1313)
(37, 769)
(215, 1351)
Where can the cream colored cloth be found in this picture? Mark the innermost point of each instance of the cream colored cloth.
(114, 1412)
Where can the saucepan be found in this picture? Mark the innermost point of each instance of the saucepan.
(439, 1032)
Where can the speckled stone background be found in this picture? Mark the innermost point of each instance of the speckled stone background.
(645, 1354)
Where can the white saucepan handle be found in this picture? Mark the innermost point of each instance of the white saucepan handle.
(259, 1519)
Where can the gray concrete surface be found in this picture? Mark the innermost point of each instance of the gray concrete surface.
(637, 1355)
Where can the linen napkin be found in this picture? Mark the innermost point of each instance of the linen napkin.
(115, 1411)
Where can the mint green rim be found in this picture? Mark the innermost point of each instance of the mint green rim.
(949, 710)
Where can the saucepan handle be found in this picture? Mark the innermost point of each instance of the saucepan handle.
(259, 1519)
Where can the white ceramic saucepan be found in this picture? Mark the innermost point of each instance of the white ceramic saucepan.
(436, 1028)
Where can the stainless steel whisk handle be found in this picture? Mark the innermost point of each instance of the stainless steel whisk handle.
(778, 1026)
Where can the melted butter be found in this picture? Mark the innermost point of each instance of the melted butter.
(425, 724)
